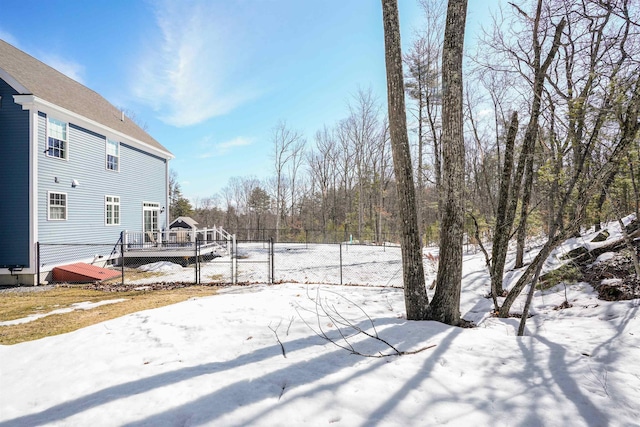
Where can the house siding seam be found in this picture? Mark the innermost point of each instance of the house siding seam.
(14, 175)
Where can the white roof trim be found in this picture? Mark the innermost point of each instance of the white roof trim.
(30, 102)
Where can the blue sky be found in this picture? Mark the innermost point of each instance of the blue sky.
(211, 78)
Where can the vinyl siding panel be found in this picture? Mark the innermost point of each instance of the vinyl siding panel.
(14, 175)
(141, 178)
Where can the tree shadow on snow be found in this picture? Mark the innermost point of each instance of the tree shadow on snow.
(314, 369)
(542, 386)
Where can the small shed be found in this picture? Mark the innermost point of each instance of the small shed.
(184, 223)
(183, 230)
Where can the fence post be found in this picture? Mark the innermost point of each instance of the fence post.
(122, 237)
(195, 260)
(38, 263)
(340, 244)
(272, 259)
(234, 261)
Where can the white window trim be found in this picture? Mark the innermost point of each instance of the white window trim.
(106, 154)
(106, 203)
(66, 206)
(66, 141)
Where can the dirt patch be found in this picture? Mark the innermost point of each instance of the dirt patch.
(164, 286)
(613, 279)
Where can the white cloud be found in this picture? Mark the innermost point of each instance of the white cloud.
(236, 142)
(188, 76)
(219, 149)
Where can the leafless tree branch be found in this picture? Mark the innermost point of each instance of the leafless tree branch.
(325, 311)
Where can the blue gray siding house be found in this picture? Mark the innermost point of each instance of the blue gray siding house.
(73, 167)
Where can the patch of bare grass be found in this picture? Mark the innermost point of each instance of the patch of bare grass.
(17, 305)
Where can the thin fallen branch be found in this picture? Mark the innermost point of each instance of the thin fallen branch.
(347, 329)
(275, 332)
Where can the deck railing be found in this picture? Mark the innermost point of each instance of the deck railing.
(175, 238)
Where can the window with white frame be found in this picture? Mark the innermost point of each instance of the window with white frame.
(57, 206)
(113, 155)
(57, 142)
(112, 210)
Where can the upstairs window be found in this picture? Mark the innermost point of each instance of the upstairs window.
(112, 210)
(113, 155)
(57, 206)
(57, 142)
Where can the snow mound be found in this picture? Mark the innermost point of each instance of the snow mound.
(160, 266)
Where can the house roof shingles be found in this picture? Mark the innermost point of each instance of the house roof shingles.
(51, 85)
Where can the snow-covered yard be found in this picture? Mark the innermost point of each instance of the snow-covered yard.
(217, 361)
(299, 263)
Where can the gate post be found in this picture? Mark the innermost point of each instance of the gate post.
(122, 236)
(271, 261)
(196, 259)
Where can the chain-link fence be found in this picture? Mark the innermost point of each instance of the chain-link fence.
(218, 262)
(339, 263)
(345, 235)
(78, 263)
(136, 264)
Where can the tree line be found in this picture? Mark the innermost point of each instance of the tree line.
(570, 97)
(547, 119)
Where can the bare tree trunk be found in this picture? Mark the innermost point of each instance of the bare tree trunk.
(527, 189)
(634, 182)
(502, 228)
(603, 198)
(531, 134)
(526, 155)
(284, 141)
(445, 306)
(629, 127)
(416, 300)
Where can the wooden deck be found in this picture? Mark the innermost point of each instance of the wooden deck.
(178, 246)
(171, 250)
